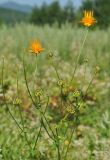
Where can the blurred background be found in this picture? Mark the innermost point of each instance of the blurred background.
(55, 23)
(42, 12)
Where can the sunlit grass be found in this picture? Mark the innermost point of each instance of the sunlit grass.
(64, 45)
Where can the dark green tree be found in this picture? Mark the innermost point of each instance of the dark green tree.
(68, 12)
(43, 12)
(87, 5)
(35, 16)
(53, 13)
(102, 12)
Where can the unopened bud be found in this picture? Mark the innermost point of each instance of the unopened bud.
(76, 94)
(61, 83)
(17, 101)
(50, 55)
(38, 93)
(97, 69)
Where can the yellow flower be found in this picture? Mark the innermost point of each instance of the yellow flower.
(36, 47)
(66, 142)
(88, 19)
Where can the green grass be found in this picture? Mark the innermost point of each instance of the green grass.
(91, 140)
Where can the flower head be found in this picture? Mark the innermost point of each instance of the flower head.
(88, 19)
(36, 47)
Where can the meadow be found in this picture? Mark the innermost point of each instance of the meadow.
(91, 139)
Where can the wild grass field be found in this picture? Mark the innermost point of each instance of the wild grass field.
(91, 139)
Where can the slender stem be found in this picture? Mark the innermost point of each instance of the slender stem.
(40, 126)
(35, 103)
(5, 98)
(56, 72)
(20, 112)
(67, 128)
(25, 134)
(74, 128)
(17, 83)
(89, 86)
(36, 69)
(85, 71)
(65, 139)
(61, 93)
(70, 139)
(76, 65)
(84, 75)
(61, 96)
(47, 130)
(27, 84)
(65, 132)
(38, 136)
(48, 124)
(57, 145)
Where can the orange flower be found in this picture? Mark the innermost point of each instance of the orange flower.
(36, 47)
(88, 19)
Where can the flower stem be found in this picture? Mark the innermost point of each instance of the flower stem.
(56, 72)
(21, 117)
(5, 98)
(76, 64)
(42, 114)
(57, 145)
(74, 128)
(89, 86)
(40, 126)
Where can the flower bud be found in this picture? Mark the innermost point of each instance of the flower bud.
(38, 93)
(70, 109)
(17, 101)
(61, 83)
(76, 94)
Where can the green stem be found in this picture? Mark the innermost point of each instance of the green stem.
(67, 128)
(36, 69)
(38, 136)
(56, 72)
(27, 84)
(20, 112)
(61, 93)
(84, 75)
(34, 101)
(76, 65)
(57, 145)
(74, 128)
(70, 139)
(5, 98)
(89, 86)
(47, 130)
(48, 124)
(25, 134)
(40, 126)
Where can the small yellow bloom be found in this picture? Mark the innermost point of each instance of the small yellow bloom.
(17, 101)
(66, 142)
(88, 19)
(36, 47)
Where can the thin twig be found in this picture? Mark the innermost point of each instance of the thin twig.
(76, 64)
(34, 101)
(40, 126)
(5, 98)
(57, 145)
(20, 112)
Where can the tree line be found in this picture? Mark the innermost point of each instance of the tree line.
(55, 13)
